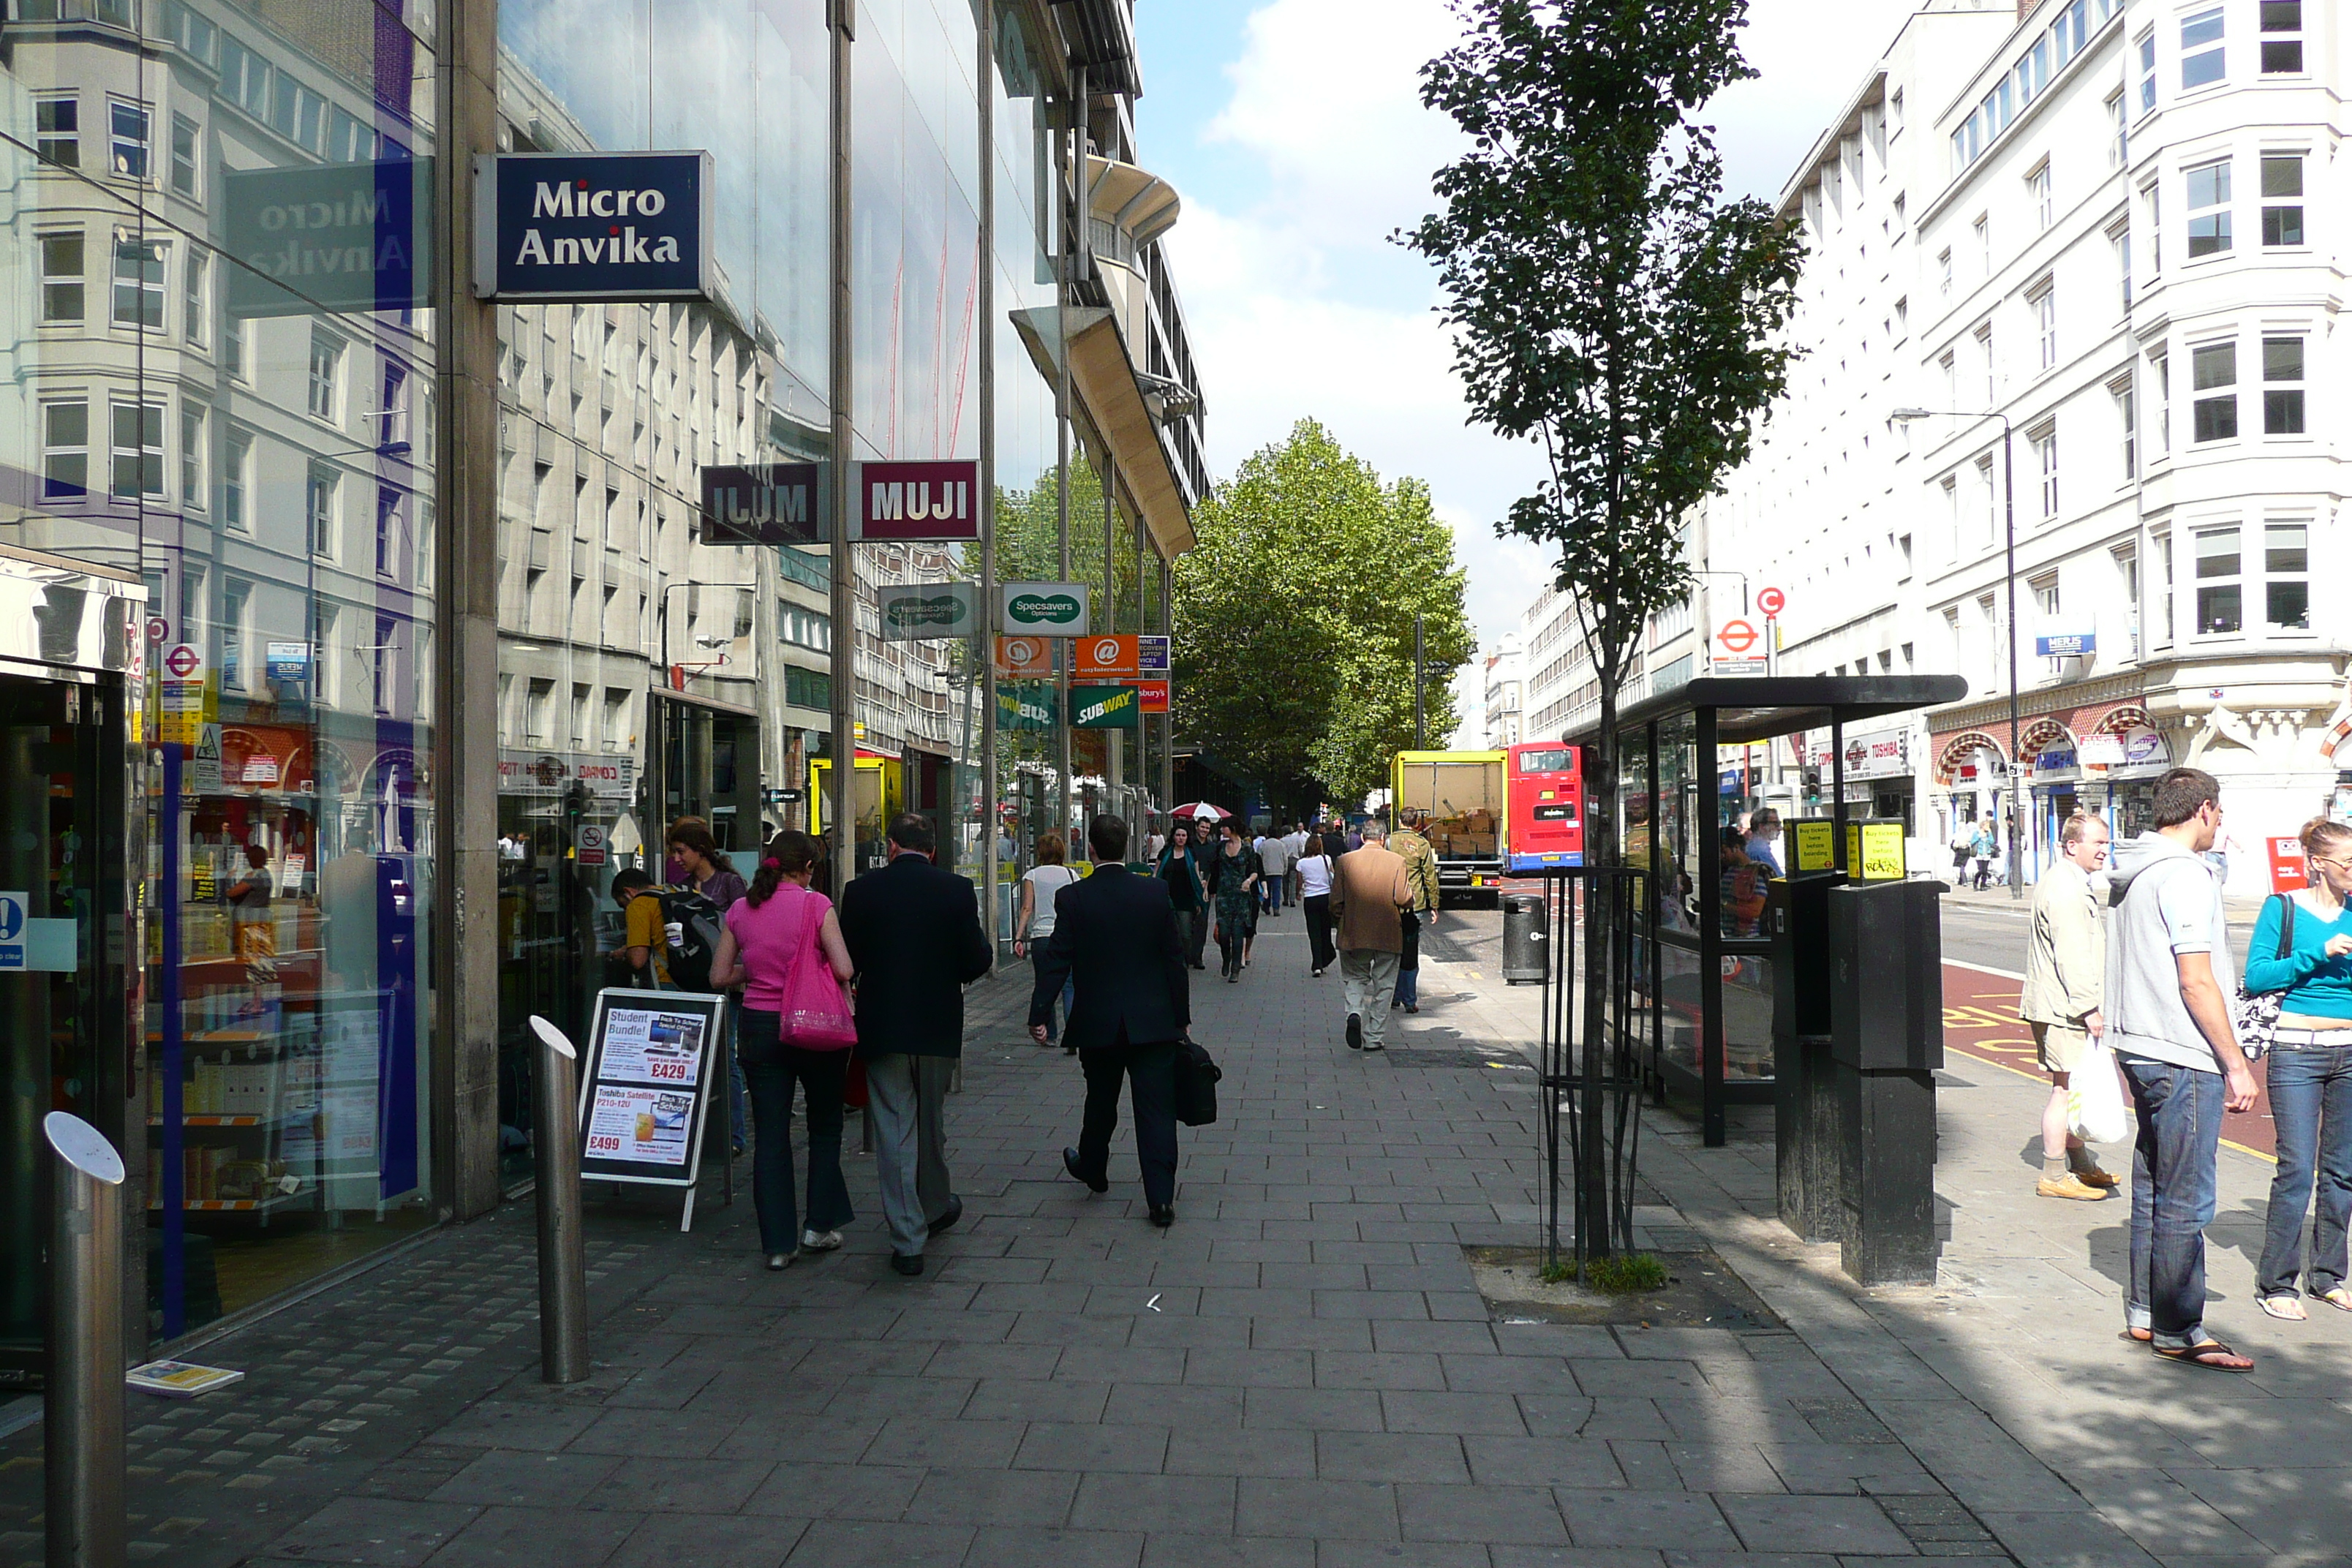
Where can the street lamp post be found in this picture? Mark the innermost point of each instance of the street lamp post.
(2009, 526)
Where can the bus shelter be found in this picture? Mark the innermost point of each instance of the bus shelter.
(1713, 1011)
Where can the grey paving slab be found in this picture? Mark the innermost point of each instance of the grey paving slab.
(1325, 1509)
(1658, 1520)
(864, 1543)
(1838, 1526)
(708, 1540)
(379, 1532)
(537, 1538)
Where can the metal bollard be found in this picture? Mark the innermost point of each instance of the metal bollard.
(562, 1255)
(82, 1403)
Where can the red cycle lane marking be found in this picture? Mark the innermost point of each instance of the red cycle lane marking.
(1980, 1021)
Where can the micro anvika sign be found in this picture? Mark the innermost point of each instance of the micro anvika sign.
(329, 239)
(551, 227)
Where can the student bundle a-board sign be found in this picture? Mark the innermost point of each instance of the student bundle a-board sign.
(647, 1077)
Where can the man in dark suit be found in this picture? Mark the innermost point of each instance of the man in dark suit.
(913, 931)
(1115, 936)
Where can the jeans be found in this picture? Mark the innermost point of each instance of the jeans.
(2173, 1197)
(1150, 1075)
(908, 1097)
(1069, 989)
(772, 1069)
(1371, 978)
(1408, 985)
(2310, 1101)
(1318, 929)
(1269, 892)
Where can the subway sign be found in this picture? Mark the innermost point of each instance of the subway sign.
(1104, 707)
(557, 226)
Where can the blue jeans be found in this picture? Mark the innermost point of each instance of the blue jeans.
(2310, 1101)
(2173, 1197)
(773, 1069)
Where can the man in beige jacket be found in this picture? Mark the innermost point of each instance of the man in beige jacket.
(1370, 893)
(2066, 971)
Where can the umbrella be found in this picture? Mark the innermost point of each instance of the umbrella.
(1198, 809)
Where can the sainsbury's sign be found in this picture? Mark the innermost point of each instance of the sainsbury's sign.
(551, 227)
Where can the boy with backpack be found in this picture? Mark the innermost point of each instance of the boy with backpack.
(672, 933)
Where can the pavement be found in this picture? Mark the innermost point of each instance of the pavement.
(1299, 1373)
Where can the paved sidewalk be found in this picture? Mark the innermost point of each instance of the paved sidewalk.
(1299, 1373)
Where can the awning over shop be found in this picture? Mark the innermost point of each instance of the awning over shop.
(1105, 380)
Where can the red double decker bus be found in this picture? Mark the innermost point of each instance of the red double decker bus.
(1545, 792)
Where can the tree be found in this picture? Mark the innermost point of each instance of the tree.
(1607, 302)
(1294, 619)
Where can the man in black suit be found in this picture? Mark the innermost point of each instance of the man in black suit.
(913, 931)
(1115, 935)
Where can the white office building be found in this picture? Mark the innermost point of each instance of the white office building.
(2093, 238)
(1503, 679)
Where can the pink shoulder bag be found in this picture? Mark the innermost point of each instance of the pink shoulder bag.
(815, 1013)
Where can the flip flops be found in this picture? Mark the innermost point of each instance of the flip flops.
(2211, 1354)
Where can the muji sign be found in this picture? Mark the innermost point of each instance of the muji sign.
(918, 501)
(592, 226)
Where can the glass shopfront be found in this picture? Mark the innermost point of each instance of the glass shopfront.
(222, 371)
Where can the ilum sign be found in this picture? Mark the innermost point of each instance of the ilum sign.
(552, 226)
(767, 503)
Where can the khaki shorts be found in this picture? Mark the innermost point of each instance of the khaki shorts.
(2060, 1046)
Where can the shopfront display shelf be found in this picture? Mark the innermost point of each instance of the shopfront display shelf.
(233, 1205)
(278, 1121)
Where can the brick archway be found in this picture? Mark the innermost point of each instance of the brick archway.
(1960, 748)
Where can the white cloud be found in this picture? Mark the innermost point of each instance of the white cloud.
(1300, 307)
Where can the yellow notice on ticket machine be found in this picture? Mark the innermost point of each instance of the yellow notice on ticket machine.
(1816, 845)
(1873, 851)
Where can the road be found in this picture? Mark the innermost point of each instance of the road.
(1984, 953)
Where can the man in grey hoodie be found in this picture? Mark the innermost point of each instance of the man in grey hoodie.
(2168, 980)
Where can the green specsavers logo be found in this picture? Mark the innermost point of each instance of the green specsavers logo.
(911, 612)
(1042, 609)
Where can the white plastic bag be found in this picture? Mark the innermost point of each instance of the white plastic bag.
(2095, 1110)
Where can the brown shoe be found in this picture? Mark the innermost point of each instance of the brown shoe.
(2069, 1187)
(2095, 1177)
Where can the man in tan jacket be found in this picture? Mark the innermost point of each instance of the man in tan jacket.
(1370, 893)
(2066, 971)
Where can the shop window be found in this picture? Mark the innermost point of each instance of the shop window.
(56, 131)
(318, 499)
(2286, 576)
(236, 457)
(195, 421)
(138, 449)
(2209, 208)
(2214, 378)
(326, 374)
(64, 449)
(187, 157)
(2282, 24)
(194, 317)
(2283, 388)
(139, 283)
(2202, 50)
(2221, 592)
(61, 277)
(127, 129)
(2282, 199)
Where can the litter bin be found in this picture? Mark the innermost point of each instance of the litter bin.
(1887, 1040)
(1527, 938)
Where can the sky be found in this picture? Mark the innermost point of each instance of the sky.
(1293, 133)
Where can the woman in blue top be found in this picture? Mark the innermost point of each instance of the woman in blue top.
(2310, 1074)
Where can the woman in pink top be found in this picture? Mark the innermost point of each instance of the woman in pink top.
(780, 920)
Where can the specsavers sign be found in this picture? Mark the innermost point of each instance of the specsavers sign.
(920, 610)
(1044, 609)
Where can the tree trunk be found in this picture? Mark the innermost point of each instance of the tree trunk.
(1601, 851)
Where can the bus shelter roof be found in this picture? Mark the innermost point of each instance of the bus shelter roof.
(1757, 708)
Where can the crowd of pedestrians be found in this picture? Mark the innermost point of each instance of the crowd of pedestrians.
(2136, 977)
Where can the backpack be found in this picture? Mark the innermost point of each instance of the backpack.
(699, 923)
